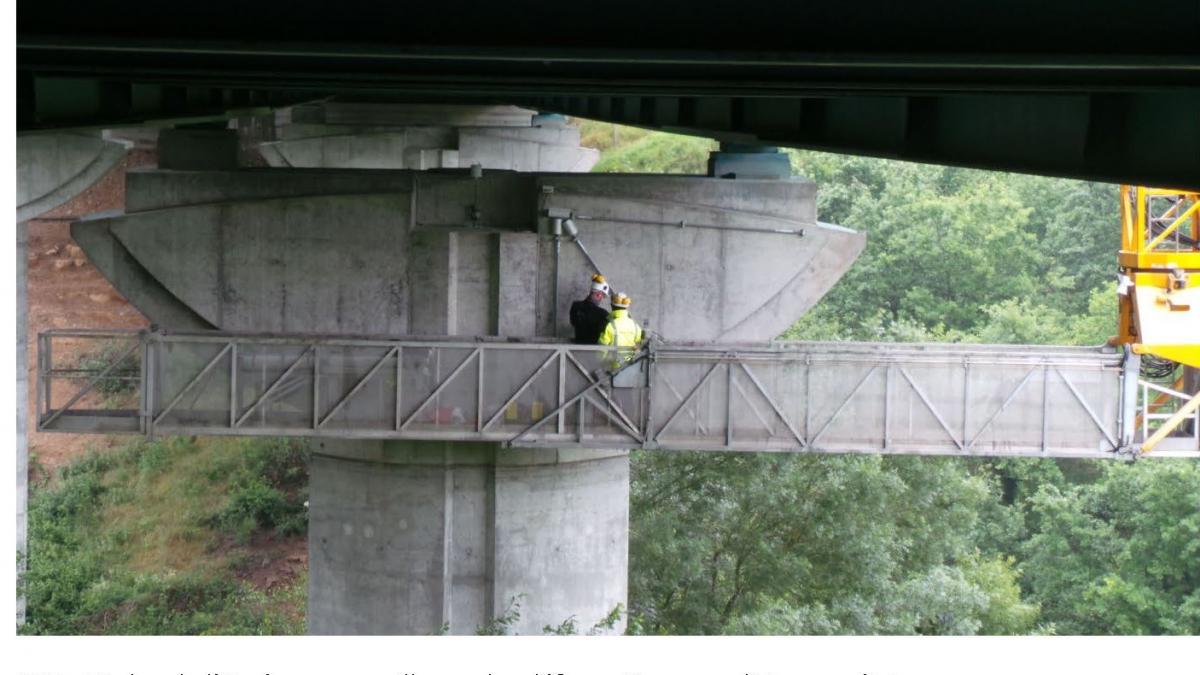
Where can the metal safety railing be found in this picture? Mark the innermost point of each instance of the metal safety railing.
(90, 380)
(1159, 403)
(1160, 228)
(892, 398)
(786, 396)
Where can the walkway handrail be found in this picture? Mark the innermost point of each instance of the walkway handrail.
(777, 396)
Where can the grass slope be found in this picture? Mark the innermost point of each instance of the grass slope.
(633, 150)
(156, 538)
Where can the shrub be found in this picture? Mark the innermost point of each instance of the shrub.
(63, 564)
(269, 490)
(252, 505)
(103, 355)
(281, 462)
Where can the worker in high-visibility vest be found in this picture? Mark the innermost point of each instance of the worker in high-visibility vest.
(622, 331)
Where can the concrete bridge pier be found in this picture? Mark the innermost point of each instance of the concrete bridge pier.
(414, 538)
(429, 537)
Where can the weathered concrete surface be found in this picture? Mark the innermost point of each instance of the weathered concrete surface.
(420, 537)
(691, 282)
(22, 449)
(137, 285)
(400, 252)
(53, 168)
(384, 136)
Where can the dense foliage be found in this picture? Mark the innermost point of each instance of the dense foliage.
(830, 545)
(799, 545)
(959, 254)
(903, 545)
(138, 540)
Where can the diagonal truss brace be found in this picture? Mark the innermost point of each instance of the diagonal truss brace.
(362, 382)
(774, 406)
(700, 426)
(193, 382)
(688, 399)
(521, 389)
(630, 426)
(271, 389)
(581, 395)
(842, 407)
(1004, 406)
(438, 390)
(925, 399)
(1088, 409)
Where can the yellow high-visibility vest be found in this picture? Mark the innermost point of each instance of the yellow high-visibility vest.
(622, 332)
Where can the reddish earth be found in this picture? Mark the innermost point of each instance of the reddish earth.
(271, 561)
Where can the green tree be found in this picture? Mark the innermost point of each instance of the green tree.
(1024, 322)
(1120, 555)
(1077, 226)
(733, 543)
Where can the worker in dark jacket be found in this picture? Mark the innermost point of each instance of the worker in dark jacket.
(588, 317)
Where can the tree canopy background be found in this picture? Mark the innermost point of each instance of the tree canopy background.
(792, 544)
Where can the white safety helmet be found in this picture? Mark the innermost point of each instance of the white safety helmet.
(599, 283)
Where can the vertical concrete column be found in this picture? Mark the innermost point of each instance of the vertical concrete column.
(22, 412)
(429, 537)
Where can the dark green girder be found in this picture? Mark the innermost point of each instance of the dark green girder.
(1102, 90)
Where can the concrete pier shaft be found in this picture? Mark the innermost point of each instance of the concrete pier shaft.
(429, 537)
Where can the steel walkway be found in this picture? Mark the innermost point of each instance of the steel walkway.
(933, 399)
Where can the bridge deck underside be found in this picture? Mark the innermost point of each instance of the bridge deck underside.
(785, 397)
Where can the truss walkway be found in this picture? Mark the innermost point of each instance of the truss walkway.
(935, 399)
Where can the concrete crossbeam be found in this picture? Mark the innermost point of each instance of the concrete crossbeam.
(448, 254)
